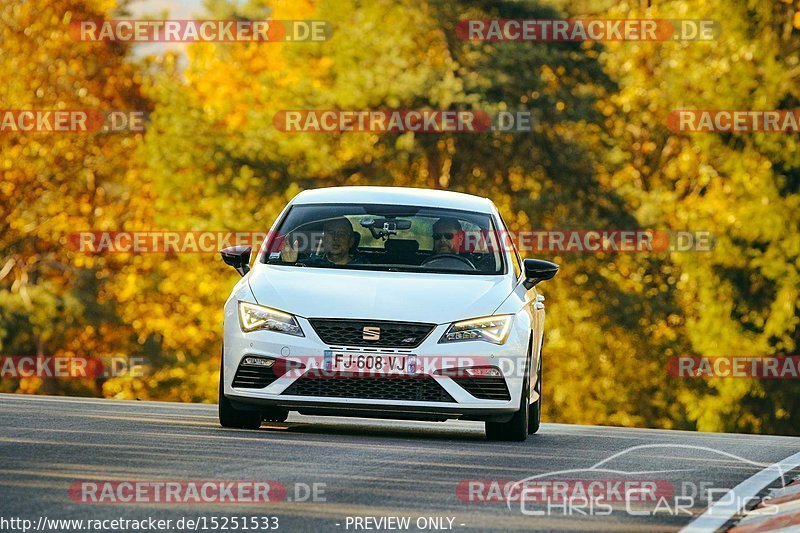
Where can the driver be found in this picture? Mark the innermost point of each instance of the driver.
(448, 237)
(338, 240)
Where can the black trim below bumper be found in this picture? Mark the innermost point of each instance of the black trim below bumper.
(394, 412)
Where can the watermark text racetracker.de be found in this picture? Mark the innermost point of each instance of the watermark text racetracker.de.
(162, 242)
(344, 364)
(563, 490)
(193, 492)
(71, 366)
(600, 240)
(192, 31)
(402, 121)
(71, 121)
(734, 366)
(597, 29)
(734, 121)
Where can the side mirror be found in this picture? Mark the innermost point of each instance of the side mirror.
(537, 270)
(238, 257)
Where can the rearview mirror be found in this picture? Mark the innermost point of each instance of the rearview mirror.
(383, 227)
(238, 257)
(537, 270)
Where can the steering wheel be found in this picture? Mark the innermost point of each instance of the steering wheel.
(444, 259)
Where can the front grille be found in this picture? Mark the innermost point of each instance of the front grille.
(419, 389)
(341, 332)
(253, 377)
(485, 388)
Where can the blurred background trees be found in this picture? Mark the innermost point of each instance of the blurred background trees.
(600, 156)
(53, 301)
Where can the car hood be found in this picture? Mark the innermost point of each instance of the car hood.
(417, 297)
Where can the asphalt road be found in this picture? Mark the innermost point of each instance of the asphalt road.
(369, 468)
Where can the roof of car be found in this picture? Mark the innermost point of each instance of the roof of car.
(395, 196)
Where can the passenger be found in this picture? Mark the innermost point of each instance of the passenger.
(338, 246)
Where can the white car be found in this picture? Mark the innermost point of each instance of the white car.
(389, 303)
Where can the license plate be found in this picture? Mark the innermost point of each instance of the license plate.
(369, 363)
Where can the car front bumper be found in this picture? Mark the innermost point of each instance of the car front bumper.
(511, 358)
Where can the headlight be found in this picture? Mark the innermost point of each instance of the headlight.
(493, 329)
(253, 317)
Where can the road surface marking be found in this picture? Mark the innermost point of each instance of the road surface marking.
(726, 508)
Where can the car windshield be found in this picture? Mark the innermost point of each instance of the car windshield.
(386, 238)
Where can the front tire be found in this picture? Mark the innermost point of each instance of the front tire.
(535, 413)
(230, 417)
(515, 429)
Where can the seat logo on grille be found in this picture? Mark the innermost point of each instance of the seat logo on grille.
(371, 333)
